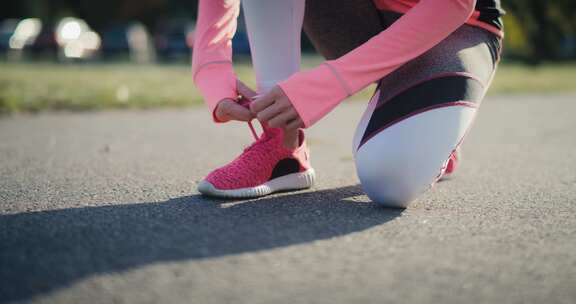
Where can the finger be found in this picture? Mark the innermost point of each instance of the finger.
(244, 90)
(281, 120)
(238, 112)
(263, 102)
(294, 124)
(269, 113)
(220, 111)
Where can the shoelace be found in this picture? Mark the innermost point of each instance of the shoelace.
(251, 160)
(245, 102)
(253, 130)
(253, 154)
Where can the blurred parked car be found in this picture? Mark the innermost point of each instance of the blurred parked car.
(25, 33)
(71, 38)
(45, 44)
(7, 28)
(129, 40)
(174, 39)
(240, 43)
(16, 39)
(76, 39)
(568, 47)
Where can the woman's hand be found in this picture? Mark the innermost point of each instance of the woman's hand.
(229, 109)
(276, 109)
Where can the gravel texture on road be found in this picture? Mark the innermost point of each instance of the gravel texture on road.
(101, 207)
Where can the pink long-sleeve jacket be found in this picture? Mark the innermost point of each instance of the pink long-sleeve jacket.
(317, 91)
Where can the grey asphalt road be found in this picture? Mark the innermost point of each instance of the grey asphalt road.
(102, 208)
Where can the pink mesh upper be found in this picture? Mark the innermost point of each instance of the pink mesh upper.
(255, 165)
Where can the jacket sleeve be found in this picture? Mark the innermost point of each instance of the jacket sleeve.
(212, 69)
(316, 92)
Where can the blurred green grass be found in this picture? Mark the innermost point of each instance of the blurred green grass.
(33, 87)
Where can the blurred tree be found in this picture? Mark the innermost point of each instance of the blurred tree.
(102, 12)
(536, 30)
(546, 26)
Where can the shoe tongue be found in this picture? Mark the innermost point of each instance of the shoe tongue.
(270, 136)
(272, 132)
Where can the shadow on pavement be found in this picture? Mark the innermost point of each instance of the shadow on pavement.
(44, 251)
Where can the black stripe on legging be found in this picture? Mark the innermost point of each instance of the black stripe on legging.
(424, 95)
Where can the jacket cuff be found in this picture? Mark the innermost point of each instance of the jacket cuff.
(314, 93)
(216, 81)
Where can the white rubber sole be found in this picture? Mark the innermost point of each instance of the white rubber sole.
(294, 181)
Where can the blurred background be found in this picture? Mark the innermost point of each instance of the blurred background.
(82, 55)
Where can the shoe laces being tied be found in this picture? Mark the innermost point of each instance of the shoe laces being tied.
(250, 166)
(267, 132)
(245, 102)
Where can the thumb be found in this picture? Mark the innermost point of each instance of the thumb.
(238, 112)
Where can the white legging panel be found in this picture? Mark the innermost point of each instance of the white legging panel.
(274, 30)
(404, 160)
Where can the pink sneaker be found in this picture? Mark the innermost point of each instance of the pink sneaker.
(263, 168)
